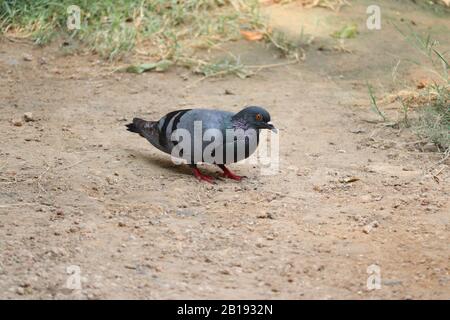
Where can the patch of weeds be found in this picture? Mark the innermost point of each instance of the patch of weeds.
(346, 32)
(223, 67)
(434, 119)
(434, 114)
(405, 111)
(438, 7)
(159, 66)
(114, 28)
(291, 48)
(158, 29)
(334, 5)
(374, 105)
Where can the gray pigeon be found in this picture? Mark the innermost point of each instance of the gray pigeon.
(186, 134)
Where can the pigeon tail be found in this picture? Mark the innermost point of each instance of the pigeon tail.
(137, 126)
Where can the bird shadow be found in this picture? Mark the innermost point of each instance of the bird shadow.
(167, 164)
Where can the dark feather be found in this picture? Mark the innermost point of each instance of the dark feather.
(164, 129)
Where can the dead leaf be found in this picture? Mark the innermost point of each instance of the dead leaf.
(422, 83)
(252, 35)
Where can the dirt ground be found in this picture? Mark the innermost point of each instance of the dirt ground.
(77, 189)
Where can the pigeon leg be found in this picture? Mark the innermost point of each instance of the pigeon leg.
(228, 174)
(200, 176)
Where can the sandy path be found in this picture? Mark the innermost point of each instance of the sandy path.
(77, 189)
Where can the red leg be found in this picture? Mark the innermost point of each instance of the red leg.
(200, 176)
(228, 174)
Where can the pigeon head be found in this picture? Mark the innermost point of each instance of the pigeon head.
(254, 117)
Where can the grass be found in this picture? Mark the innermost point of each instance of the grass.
(114, 28)
(434, 120)
(434, 117)
(433, 102)
(373, 103)
(155, 30)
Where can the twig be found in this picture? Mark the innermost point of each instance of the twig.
(18, 204)
(273, 65)
(206, 77)
(258, 67)
(40, 177)
(71, 165)
(444, 158)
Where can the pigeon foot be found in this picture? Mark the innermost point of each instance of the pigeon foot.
(202, 177)
(228, 174)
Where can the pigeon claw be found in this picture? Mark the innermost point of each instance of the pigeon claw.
(233, 176)
(228, 174)
(206, 178)
(202, 177)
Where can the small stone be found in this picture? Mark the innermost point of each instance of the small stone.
(20, 291)
(17, 122)
(357, 130)
(430, 147)
(368, 228)
(27, 57)
(266, 215)
(111, 180)
(55, 252)
(28, 116)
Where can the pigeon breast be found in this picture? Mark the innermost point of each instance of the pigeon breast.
(187, 120)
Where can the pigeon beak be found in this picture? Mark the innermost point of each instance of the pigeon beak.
(272, 128)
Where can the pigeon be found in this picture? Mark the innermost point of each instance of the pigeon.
(236, 136)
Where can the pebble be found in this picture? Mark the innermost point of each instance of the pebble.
(27, 57)
(20, 291)
(17, 122)
(430, 147)
(55, 252)
(266, 215)
(357, 130)
(28, 116)
(368, 228)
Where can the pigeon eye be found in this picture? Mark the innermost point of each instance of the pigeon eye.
(258, 117)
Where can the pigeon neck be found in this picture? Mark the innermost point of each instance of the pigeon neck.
(239, 123)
